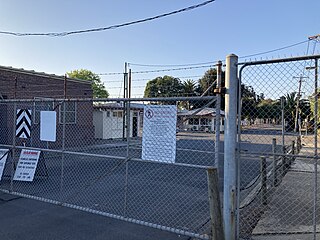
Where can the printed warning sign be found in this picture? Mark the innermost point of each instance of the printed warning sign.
(159, 133)
(27, 165)
(48, 125)
(3, 159)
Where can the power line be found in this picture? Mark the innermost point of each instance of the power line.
(195, 65)
(62, 34)
(171, 65)
(275, 50)
(159, 70)
(148, 79)
(203, 63)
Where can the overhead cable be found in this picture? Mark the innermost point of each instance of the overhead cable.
(159, 70)
(274, 50)
(62, 34)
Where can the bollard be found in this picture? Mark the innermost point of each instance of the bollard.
(274, 163)
(292, 152)
(283, 163)
(298, 144)
(214, 204)
(263, 181)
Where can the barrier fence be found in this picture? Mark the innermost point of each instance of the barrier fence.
(151, 172)
(154, 161)
(278, 184)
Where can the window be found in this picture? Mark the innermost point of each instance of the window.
(41, 106)
(194, 121)
(71, 111)
(117, 114)
(108, 113)
(205, 121)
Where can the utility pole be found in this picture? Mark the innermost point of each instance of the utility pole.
(65, 87)
(296, 125)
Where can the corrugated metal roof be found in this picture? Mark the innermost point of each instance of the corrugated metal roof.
(202, 112)
(116, 105)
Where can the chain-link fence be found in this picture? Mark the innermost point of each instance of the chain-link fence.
(278, 187)
(109, 158)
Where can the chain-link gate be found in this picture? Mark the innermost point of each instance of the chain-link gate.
(96, 163)
(278, 186)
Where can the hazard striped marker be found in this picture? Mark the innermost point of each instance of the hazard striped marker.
(23, 126)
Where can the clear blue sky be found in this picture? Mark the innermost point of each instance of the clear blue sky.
(205, 34)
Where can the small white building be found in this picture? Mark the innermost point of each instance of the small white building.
(200, 120)
(108, 120)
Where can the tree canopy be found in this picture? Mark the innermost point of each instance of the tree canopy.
(166, 86)
(98, 88)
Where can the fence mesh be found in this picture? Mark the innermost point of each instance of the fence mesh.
(96, 162)
(278, 188)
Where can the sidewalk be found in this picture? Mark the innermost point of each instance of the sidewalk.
(290, 211)
(28, 219)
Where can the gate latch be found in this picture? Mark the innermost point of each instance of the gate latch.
(221, 90)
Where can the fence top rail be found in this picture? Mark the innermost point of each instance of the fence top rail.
(279, 60)
(164, 99)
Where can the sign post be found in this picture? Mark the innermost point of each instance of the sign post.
(3, 159)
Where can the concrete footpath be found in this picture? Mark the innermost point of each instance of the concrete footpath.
(289, 214)
(27, 219)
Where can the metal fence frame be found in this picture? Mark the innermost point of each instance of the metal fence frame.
(291, 154)
(64, 151)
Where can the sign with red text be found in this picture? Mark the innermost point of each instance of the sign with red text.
(159, 133)
(27, 165)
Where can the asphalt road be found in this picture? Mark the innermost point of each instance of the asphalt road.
(28, 219)
(158, 193)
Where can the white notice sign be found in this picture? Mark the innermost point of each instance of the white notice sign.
(27, 165)
(48, 123)
(3, 159)
(159, 133)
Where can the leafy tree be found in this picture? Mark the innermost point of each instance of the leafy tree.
(312, 105)
(250, 102)
(208, 79)
(268, 109)
(99, 90)
(166, 86)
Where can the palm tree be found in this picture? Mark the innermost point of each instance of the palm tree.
(290, 107)
(189, 87)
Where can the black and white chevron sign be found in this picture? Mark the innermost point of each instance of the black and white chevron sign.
(23, 126)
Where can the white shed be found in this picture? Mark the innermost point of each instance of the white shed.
(108, 120)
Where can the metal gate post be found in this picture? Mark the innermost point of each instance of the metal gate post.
(230, 144)
(63, 148)
(218, 160)
(316, 99)
(13, 145)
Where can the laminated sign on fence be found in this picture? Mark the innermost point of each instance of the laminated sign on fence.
(27, 165)
(159, 133)
(23, 125)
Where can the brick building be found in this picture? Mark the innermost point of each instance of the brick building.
(23, 84)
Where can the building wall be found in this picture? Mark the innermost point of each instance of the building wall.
(20, 84)
(110, 125)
